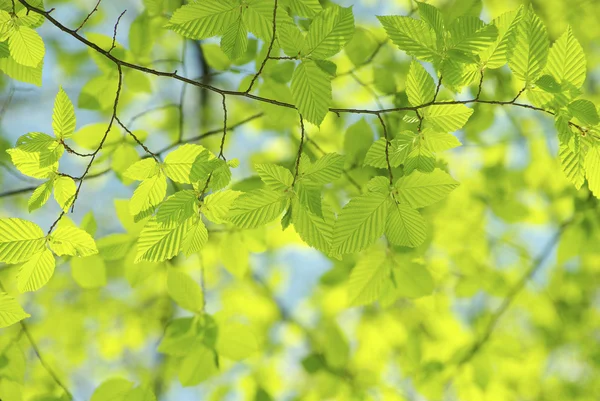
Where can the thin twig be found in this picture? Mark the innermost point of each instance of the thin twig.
(387, 148)
(268, 56)
(299, 156)
(88, 16)
(114, 38)
(222, 147)
(135, 138)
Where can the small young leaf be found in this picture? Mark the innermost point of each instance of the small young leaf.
(63, 116)
(36, 272)
(73, 241)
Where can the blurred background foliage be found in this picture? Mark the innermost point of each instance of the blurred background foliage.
(453, 345)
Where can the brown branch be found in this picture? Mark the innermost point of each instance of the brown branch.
(387, 148)
(220, 91)
(222, 147)
(268, 56)
(302, 134)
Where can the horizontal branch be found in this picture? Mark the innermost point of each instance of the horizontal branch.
(223, 92)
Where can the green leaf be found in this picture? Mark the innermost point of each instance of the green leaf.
(217, 205)
(329, 32)
(258, 17)
(178, 164)
(36, 272)
(115, 389)
(311, 89)
(48, 148)
(548, 84)
(290, 38)
(585, 111)
(89, 272)
(368, 278)
(275, 177)
(115, 246)
(10, 311)
(256, 208)
(434, 18)
(26, 46)
(29, 163)
(205, 19)
(398, 151)
(236, 341)
(310, 197)
(40, 196)
(195, 238)
(405, 226)
(235, 39)
(67, 240)
(64, 192)
(325, 170)
(529, 53)
(159, 242)
(592, 170)
(63, 116)
(446, 117)
(19, 239)
(439, 141)
(360, 223)
(413, 36)
(420, 190)
(412, 280)
(420, 87)
(305, 8)
(314, 230)
(197, 366)
(572, 163)
(147, 196)
(185, 291)
(143, 169)
(178, 207)
(19, 72)
(469, 36)
(566, 61)
(507, 25)
(420, 157)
